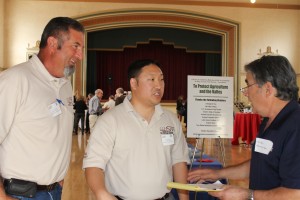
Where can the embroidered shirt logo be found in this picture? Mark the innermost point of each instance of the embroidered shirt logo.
(167, 130)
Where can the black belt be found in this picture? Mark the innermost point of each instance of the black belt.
(95, 114)
(47, 188)
(166, 196)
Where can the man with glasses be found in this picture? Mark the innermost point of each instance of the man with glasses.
(273, 169)
(245, 89)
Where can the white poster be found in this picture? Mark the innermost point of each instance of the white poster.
(210, 107)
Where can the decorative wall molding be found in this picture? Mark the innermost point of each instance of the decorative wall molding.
(148, 42)
(257, 5)
(32, 50)
(228, 30)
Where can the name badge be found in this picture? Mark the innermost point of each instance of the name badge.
(54, 109)
(167, 139)
(263, 146)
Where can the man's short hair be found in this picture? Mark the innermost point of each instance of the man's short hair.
(279, 72)
(135, 68)
(120, 90)
(57, 27)
(98, 91)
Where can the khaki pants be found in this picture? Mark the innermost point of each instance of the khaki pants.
(92, 119)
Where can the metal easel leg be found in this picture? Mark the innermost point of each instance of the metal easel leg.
(201, 153)
(222, 149)
(193, 157)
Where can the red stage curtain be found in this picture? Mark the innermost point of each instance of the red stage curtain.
(110, 67)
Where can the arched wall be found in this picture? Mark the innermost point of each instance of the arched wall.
(228, 30)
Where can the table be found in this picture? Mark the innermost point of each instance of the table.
(213, 165)
(202, 195)
(246, 126)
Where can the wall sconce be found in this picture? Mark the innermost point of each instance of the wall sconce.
(268, 52)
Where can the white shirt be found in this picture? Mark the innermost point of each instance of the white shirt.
(35, 138)
(109, 104)
(136, 162)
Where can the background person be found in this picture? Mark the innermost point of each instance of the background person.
(273, 170)
(95, 108)
(87, 121)
(138, 147)
(37, 121)
(119, 96)
(110, 103)
(80, 108)
(180, 107)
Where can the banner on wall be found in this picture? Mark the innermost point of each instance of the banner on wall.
(210, 107)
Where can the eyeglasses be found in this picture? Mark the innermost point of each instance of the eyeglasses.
(245, 89)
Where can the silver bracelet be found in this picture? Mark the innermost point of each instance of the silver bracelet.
(250, 195)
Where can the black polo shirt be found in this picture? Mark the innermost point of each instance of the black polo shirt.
(281, 167)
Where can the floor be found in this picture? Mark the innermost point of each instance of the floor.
(75, 187)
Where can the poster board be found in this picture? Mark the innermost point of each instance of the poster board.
(210, 107)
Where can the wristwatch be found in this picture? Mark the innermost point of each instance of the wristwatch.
(250, 195)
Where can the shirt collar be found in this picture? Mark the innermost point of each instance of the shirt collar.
(283, 114)
(129, 108)
(39, 66)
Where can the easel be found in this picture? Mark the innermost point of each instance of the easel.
(210, 113)
(222, 150)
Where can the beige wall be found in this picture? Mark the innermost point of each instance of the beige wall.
(280, 29)
(1, 33)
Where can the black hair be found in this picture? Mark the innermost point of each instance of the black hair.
(58, 26)
(135, 68)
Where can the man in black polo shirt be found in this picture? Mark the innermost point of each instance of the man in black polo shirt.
(273, 170)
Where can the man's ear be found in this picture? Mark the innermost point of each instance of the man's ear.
(133, 83)
(269, 88)
(52, 42)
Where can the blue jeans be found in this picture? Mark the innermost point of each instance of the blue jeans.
(55, 194)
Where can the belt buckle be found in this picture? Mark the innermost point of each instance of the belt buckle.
(50, 187)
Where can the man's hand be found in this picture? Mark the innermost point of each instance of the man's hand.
(231, 193)
(201, 175)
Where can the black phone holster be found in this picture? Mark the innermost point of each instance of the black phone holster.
(20, 187)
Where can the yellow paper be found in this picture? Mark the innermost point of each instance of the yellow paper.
(196, 187)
